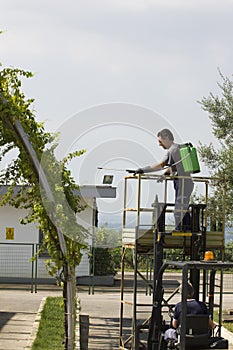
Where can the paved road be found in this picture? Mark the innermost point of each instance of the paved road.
(102, 311)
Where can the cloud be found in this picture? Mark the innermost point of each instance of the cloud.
(119, 35)
(86, 52)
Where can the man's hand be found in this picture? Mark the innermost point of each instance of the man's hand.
(139, 171)
(161, 178)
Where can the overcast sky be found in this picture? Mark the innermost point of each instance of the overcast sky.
(116, 59)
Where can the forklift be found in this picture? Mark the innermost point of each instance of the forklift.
(193, 332)
(201, 270)
(205, 273)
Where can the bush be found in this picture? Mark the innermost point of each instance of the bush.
(104, 262)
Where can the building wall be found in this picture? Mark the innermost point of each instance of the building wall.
(9, 218)
(17, 242)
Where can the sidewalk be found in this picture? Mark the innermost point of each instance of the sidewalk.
(18, 312)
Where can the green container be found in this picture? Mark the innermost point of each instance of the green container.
(189, 159)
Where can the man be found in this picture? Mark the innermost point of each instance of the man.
(194, 307)
(183, 187)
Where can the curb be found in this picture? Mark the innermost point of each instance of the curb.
(77, 329)
(35, 325)
(227, 335)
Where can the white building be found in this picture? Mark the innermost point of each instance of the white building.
(18, 243)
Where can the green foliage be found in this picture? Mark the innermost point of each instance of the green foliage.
(104, 264)
(15, 107)
(219, 160)
(107, 251)
(228, 252)
(107, 237)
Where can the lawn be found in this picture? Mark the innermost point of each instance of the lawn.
(50, 333)
(227, 325)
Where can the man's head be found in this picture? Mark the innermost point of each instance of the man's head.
(190, 290)
(165, 138)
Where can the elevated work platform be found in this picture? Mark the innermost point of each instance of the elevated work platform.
(145, 239)
(160, 218)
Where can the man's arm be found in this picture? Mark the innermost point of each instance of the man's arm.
(174, 323)
(212, 324)
(150, 169)
(176, 316)
(157, 166)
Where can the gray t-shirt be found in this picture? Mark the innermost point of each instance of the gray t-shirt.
(173, 156)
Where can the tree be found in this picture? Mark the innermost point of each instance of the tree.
(219, 159)
(107, 237)
(54, 216)
(106, 251)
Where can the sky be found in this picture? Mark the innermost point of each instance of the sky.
(108, 74)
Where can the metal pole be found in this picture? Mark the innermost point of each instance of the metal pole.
(182, 213)
(93, 272)
(184, 307)
(122, 294)
(124, 205)
(139, 203)
(147, 272)
(220, 301)
(135, 325)
(33, 253)
(36, 269)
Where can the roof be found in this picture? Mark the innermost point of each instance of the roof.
(85, 191)
(98, 191)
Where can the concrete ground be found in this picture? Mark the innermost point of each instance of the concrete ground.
(102, 310)
(99, 316)
(100, 313)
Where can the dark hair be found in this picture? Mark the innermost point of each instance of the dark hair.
(190, 290)
(166, 133)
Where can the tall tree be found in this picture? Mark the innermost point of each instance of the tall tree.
(53, 217)
(219, 159)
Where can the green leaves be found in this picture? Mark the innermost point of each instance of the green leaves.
(14, 106)
(220, 110)
(219, 159)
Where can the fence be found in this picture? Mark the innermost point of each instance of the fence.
(17, 266)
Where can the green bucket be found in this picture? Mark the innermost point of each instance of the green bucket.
(189, 158)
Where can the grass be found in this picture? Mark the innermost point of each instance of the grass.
(227, 325)
(50, 335)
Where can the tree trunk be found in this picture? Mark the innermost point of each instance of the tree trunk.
(69, 297)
